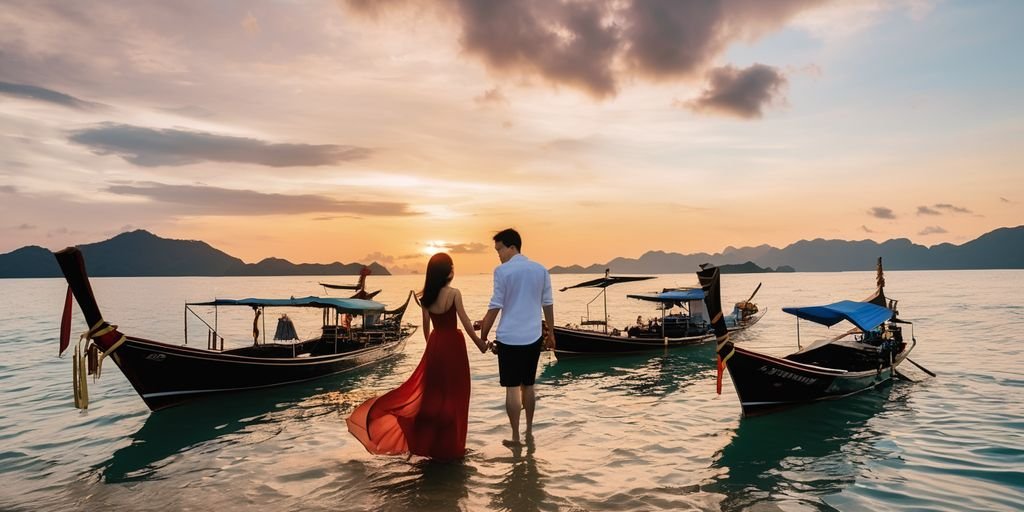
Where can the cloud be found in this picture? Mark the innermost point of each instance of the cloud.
(881, 213)
(595, 46)
(8, 189)
(205, 200)
(741, 93)
(470, 248)
(26, 227)
(379, 257)
(151, 147)
(669, 38)
(569, 145)
(924, 210)
(932, 230)
(952, 208)
(491, 97)
(335, 217)
(190, 111)
(36, 93)
(565, 43)
(866, 229)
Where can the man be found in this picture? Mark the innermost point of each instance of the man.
(522, 289)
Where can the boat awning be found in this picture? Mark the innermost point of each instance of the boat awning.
(339, 304)
(864, 315)
(671, 296)
(605, 282)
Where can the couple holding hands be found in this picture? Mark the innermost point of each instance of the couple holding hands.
(428, 415)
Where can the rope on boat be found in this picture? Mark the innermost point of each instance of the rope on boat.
(88, 360)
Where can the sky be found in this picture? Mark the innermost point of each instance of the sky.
(387, 130)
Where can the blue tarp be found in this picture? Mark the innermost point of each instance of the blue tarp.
(341, 305)
(864, 315)
(671, 296)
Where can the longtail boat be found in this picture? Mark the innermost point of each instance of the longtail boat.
(359, 288)
(686, 326)
(165, 374)
(859, 359)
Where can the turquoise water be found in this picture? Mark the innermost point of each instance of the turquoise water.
(635, 433)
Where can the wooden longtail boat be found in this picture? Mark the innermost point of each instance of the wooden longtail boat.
(859, 359)
(165, 374)
(688, 327)
(359, 288)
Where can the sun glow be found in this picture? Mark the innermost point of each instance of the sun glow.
(435, 246)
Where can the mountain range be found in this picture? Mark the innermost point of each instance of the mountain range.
(141, 253)
(1002, 248)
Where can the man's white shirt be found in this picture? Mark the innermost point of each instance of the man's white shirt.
(521, 288)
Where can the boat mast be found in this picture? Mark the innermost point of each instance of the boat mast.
(604, 292)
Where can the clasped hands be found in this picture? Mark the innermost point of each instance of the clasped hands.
(488, 346)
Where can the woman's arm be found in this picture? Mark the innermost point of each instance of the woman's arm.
(467, 324)
(426, 322)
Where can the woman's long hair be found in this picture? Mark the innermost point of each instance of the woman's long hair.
(438, 269)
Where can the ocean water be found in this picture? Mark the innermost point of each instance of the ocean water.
(631, 433)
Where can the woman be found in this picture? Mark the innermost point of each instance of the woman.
(429, 413)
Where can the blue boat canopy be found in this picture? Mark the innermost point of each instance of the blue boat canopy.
(864, 315)
(671, 296)
(339, 304)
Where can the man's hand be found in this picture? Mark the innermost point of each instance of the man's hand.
(549, 339)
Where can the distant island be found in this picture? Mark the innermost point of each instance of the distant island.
(1002, 248)
(141, 253)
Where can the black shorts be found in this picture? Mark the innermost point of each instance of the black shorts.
(517, 364)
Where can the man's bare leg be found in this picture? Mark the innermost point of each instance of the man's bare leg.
(529, 402)
(513, 405)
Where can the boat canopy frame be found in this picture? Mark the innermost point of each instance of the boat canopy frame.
(340, 306)
(603, 283)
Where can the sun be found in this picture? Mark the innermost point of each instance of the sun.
(435, 246)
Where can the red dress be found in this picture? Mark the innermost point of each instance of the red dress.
(427, 415)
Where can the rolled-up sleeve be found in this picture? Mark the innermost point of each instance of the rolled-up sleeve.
(546, 299)
(498, 298)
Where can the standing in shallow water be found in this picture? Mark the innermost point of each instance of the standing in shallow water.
(522, 290)
(427, 415)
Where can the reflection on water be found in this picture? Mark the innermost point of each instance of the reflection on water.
(657, 374)
(637, 433)
(423, 484)
(205, 423)
(522, 487)
(803, 454)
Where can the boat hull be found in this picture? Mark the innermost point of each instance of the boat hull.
(578, 343)
(765, 383)
(166, 375)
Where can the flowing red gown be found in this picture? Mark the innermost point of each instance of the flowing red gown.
(427, 415)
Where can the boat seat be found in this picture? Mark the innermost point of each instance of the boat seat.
(592, 322)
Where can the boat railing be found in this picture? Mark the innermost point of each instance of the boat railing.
(214, 341)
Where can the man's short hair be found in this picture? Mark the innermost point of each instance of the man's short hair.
(510, 238)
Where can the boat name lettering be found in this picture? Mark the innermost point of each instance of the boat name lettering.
(156, 357)
(777, 372)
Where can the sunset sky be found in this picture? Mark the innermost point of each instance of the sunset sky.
(385, 130)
